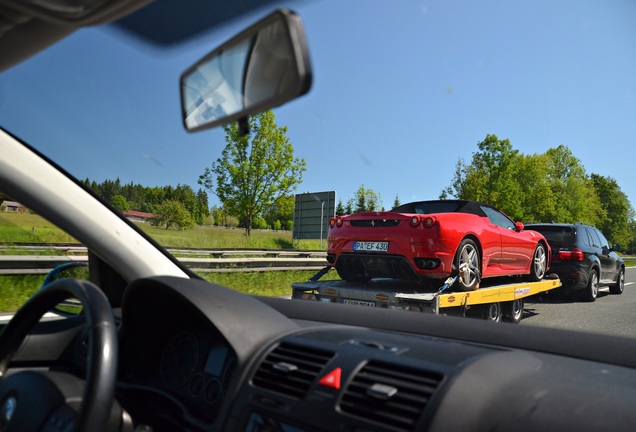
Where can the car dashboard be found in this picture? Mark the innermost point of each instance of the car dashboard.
(174, 361)
(185, 363)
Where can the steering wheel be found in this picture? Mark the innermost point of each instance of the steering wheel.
(50, 401)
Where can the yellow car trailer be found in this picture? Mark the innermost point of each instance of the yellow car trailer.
(503, 299)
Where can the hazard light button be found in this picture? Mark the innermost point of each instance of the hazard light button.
(332, 379)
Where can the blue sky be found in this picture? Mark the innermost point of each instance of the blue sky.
(402, 90)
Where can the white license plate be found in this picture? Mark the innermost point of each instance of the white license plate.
(359, 303)
(370, 246)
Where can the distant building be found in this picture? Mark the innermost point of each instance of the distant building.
(13, 206)
(137, 216)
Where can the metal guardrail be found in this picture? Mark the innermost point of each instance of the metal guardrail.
(41, 264)
(214, 253)
(234, 260)
(224, 261)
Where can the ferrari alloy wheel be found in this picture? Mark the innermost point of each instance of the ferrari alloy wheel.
(539, 263)
(467, 262)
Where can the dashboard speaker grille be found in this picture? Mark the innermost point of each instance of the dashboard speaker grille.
(392, 396)
(291, 369)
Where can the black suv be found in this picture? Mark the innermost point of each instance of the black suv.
(583, 259)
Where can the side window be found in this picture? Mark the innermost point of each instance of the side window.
(596, 242)
(498, 218)
(585, 236)
(604, 242)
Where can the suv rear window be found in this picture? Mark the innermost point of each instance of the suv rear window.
(556, 235)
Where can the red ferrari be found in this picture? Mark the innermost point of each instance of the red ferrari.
(433, 239)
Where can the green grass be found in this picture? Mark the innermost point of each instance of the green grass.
(16, 289)
(30, 228)
(270, 284)
(18, 228)
(211, 237)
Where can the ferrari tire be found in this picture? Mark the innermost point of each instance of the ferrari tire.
(352, 276)
(539, 264)
(467, 263)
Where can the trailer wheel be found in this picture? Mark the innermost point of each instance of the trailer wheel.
(513, 311)
(492, 312)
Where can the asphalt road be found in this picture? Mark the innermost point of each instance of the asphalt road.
(609, 314)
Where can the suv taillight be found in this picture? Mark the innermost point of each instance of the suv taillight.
(574, 254)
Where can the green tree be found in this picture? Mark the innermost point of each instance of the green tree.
(367, 200)
(630, 245)
(254, 170)
(491, 177)
(172, 213)
(549, 187)
(539, 201)
(615, 224)
(120, 203)
(259, 223)
(203, 209)
(361, 200)
(374, 203)
(349, 206)
(573, 190)
(396, 201)
(218, 215)
(282, 211)
(340, 208)
(456, 188)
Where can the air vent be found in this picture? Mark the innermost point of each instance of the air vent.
(291, 370)
(389, 395)
(375, 223)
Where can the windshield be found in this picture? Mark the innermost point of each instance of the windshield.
(525, 106)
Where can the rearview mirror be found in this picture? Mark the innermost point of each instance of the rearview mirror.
(261, 68)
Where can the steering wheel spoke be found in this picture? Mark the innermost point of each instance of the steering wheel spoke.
(45, 400)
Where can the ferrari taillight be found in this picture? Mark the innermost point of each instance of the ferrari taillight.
(335, 222)
(429, 221)
(415, 221)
